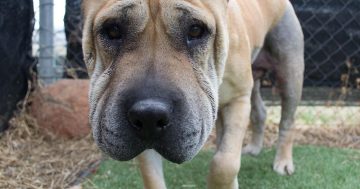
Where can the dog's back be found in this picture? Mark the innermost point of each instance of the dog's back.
(259, 16)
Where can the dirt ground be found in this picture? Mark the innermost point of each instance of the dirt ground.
(29, 159)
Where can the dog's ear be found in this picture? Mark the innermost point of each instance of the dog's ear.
(89, 10)
(219, 10)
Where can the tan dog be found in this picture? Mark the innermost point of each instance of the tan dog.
(163, 71)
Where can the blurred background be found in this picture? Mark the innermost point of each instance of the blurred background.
(40, 44)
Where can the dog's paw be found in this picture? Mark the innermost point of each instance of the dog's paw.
(252, 149)
(284, 167)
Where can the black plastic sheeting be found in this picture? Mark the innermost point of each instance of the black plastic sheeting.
(16, 27)
(73, 30)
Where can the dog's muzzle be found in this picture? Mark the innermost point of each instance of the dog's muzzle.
(150, 115)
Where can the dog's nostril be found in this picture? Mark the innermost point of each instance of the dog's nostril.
(162, 123)
(138, 124)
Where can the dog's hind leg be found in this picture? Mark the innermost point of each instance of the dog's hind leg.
(151, 170)
(257, 125)
(285, 43)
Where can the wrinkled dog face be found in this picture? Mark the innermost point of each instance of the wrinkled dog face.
(155, 69)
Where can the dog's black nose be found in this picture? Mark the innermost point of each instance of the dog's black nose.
(150, 117)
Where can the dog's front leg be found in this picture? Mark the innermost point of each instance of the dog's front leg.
(226, 162)
(151, 170)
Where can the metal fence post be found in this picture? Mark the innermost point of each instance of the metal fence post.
(46, 66)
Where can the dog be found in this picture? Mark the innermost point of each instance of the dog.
(165, 72)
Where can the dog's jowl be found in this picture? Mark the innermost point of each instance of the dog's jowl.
(165, 72)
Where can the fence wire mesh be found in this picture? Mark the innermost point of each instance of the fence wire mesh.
(332, 57)
(332, 33)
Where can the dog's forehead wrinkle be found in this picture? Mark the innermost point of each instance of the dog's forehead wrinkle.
(127, 3)
(194, 12)
(113, 13)
(193, 9)
(186, 9)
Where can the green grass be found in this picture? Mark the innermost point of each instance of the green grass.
(316, 167)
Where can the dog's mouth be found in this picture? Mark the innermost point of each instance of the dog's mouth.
(176, 147)
(181, 148)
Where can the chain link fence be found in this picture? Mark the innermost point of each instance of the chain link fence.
(331, 93)
(332, 52)
(332, 33)
(332, 47)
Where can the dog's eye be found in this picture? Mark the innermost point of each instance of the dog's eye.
(113, 32)
(195, 32)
